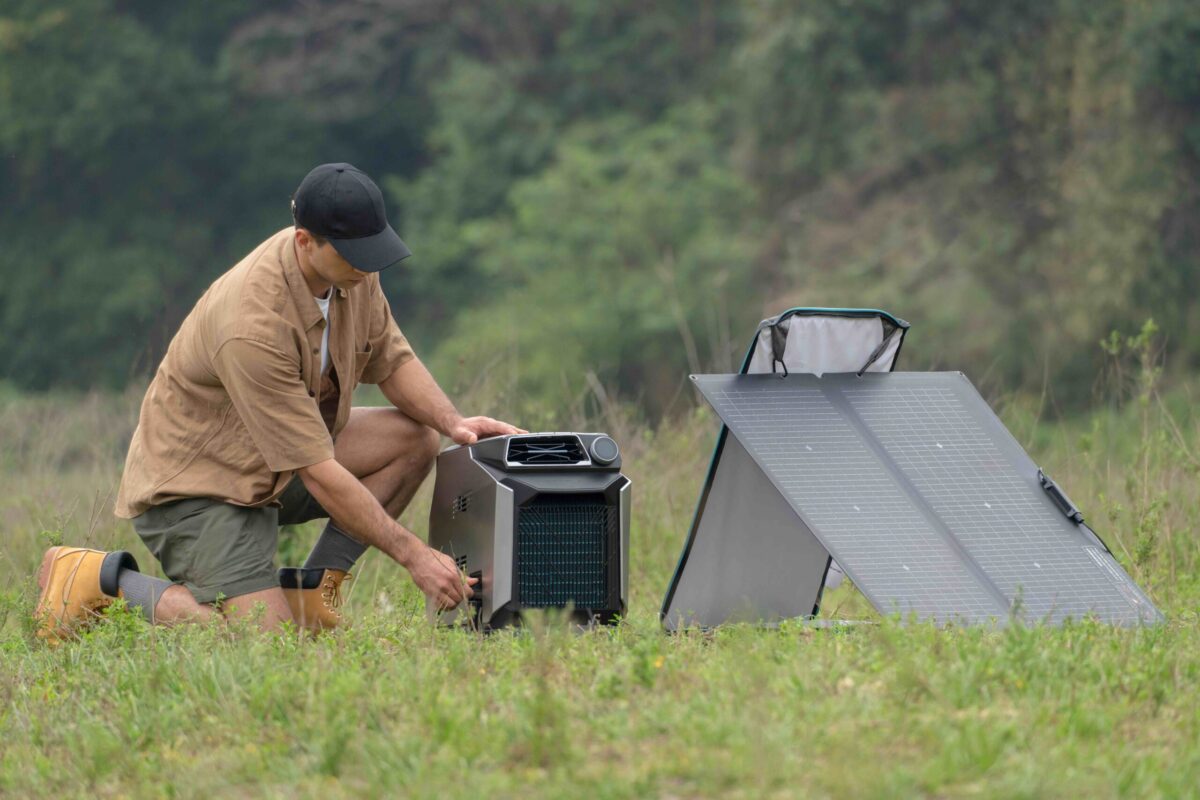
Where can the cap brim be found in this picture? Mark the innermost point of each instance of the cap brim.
(372, 253)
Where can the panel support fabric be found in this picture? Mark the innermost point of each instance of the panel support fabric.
(752, 559)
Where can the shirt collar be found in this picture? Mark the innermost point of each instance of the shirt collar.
(310, 315)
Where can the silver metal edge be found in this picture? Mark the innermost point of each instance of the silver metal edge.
(501, 579)
(626, 501)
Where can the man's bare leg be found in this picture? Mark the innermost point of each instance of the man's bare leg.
(389, 452)
(177, 606)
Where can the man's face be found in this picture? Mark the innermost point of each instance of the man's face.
(326, 262)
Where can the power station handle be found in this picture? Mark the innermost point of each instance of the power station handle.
(1060, 499)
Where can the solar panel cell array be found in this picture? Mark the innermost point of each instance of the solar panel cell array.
(916, 488)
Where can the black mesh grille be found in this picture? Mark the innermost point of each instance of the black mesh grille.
(546, 450)
(562, 551)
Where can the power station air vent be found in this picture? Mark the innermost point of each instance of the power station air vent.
(460, 504)
(563, 543)
(543, 451)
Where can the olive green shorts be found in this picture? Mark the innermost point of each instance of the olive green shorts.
(218, 550)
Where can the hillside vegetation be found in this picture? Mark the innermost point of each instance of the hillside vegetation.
(613, 191)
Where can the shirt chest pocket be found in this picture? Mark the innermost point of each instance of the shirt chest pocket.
(361, 359)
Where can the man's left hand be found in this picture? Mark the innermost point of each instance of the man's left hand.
(469, 430)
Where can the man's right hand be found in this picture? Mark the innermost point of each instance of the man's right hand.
(437, 575)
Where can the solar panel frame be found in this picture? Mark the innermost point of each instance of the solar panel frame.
(917, 489)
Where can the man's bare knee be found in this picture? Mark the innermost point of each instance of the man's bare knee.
(419, 443)
(416, 462)
(417, 450)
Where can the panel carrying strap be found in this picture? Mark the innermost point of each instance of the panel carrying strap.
(778, 345)
(878, 351)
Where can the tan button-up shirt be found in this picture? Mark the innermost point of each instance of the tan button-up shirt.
(234, 409)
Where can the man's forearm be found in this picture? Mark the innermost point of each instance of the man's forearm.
(414, 391)
(358, 512)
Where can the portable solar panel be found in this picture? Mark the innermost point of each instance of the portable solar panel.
(541, 519)
(916, 488)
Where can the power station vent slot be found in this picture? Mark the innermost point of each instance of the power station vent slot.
(461, 563)
(545, 450)
(562, 551)
(460, 504)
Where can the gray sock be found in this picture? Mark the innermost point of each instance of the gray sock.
(141, 591)
(335, 549)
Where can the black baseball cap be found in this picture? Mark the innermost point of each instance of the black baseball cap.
(340, 203)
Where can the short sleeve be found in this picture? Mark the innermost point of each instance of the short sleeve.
(274, 404)
(389, 347)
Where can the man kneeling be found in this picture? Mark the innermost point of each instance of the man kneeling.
(248, 425)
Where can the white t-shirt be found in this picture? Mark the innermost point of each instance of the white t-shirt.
(323, 304)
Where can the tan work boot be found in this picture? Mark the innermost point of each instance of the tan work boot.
(76, 583)
(314, 595)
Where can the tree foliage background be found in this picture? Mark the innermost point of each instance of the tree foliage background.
(612, 193)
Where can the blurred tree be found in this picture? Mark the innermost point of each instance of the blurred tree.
(621, 258)
(131, 179)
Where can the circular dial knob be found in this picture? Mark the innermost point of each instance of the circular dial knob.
(604, 450)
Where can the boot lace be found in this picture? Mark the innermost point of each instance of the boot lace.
(331, 591)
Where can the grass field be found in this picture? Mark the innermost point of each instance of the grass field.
(390, 707)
